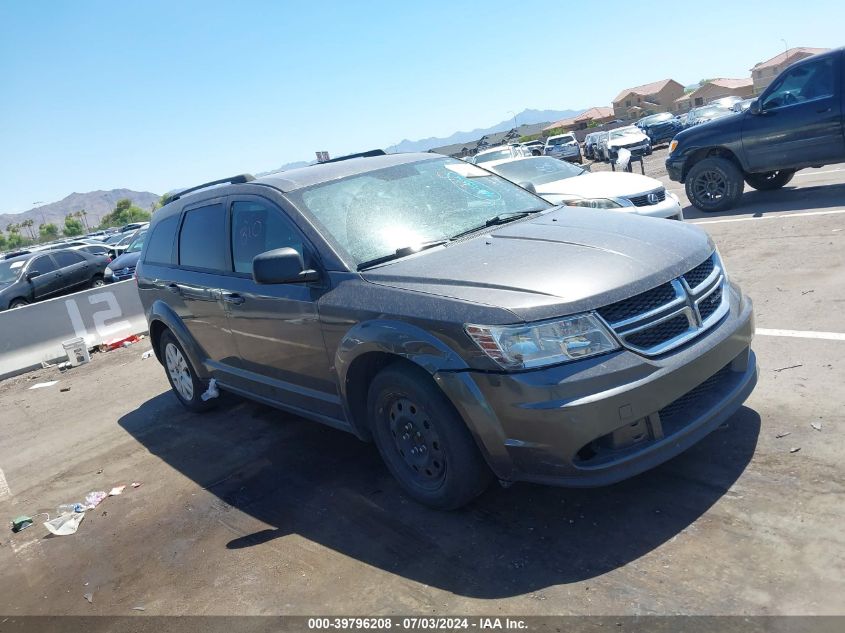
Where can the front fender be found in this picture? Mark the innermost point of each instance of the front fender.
(399, 339)
(161, 313)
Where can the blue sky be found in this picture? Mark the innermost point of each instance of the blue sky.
(156, 95)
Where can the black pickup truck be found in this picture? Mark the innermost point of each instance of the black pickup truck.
(796, 122)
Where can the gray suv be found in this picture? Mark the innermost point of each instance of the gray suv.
(470, 329)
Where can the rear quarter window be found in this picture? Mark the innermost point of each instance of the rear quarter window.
(160, 245)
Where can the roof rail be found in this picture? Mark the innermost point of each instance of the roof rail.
(367, 154)
(234, 180)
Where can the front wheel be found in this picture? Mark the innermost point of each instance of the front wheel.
(714, 184)
(769, 180)
(18, 303)
(423, 441)
(187, 387)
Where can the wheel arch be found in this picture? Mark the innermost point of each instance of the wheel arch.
(696, 156)
(371, 346)
(162, 318)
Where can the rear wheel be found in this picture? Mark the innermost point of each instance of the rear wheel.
(769, 180)
(714, 184)
(423, 441)
(18, 303)
(181, 375)
(97, 281)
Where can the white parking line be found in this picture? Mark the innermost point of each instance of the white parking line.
(817, 173)
(828, 336)
(4, 486)
(772, 217)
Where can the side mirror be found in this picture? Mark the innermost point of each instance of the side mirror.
(32, 274)
(281, 266)
(528, 186)
(754, 107)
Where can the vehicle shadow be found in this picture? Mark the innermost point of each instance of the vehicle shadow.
(790, 198)
(325, 485)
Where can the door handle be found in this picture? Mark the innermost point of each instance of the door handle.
(823, 110)
(174, 288)
(233, 298)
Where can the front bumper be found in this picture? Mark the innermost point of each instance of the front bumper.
(675, 169)
(670, 208)
(604, 419)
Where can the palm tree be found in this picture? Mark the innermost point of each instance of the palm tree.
(84, 214)
(28, 225)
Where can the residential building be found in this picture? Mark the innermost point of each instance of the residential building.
(764, 72)
(714, 89)
(639, 101)
(588, 118)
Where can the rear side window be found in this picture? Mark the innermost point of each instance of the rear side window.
(258, 228)
(66, 258)
(160, 246)
(202, 241)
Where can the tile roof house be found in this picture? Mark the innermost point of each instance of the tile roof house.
(714, 89)
(764, 72)
(597, 116)
(657, 96)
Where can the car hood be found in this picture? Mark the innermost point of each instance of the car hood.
(124, 261)
(561, 262)
(628, 139)
(605, 184)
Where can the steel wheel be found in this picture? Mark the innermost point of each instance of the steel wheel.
(417, 442)
(179, 371)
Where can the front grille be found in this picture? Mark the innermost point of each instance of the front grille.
(642, 201)
(699, 273)
(708, 306)
(659, 334)
(678, 412)
(667, 316)
(638, 304)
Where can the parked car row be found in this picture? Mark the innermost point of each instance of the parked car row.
(32, 277)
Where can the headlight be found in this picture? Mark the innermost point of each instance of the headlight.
(540, 344)
(108, 272)
(673, 145)
(593, 203)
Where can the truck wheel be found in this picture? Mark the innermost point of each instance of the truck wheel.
(714, 184)
(769, 180)
(423, 441)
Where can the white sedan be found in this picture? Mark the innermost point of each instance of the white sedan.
(560, 182)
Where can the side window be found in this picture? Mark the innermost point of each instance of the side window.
(43, 265)
(160, 246)
(202, 241)
(813, 80)
(67, 258)
(258, 228)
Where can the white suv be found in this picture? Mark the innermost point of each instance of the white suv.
(563, 146)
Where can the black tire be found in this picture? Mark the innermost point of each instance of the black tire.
(769, 180)
(435, 458)
(18, 303)
(714, 184)
(190, 384)
(98, 281)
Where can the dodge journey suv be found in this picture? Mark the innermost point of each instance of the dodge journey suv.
(469, 328)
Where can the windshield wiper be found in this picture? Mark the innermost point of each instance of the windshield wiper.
(402, 252)
(502, 218)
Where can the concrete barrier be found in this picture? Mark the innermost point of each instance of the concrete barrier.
(34, 334)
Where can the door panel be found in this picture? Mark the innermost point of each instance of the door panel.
(195, 286)
(276, 327)
(74, 268)
(49, 282)
(800, 122)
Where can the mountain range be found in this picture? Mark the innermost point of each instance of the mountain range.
(96, 204)
(526, 117)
